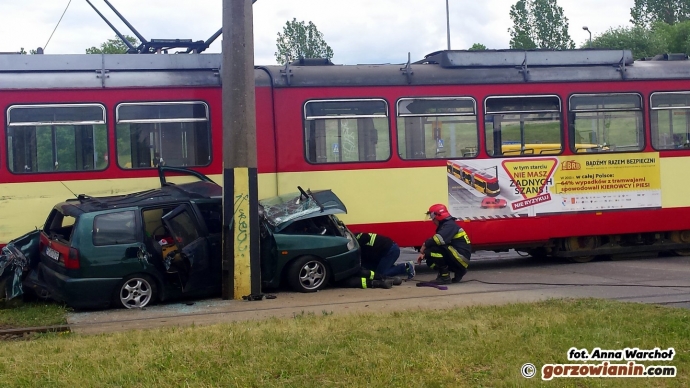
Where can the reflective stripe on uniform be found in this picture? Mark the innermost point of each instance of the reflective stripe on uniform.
(438, 239)
(372, 238)
(436, 254)
(458, 257)
(364, 282)
(462, 234)
(371, 275)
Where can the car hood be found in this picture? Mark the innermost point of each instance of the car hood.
(283, 210)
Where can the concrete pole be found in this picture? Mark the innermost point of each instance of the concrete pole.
(241, 266)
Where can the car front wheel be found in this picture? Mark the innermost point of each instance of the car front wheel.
(308, 274)
(136, 291)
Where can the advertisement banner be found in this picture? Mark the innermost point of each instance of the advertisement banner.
(518, 187)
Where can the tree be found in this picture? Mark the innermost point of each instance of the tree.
(113, 46)
(539, 24)
(645, 13)
(300, 40)
(478, 47)
(23, 52)
(676, 37)
(642, 41)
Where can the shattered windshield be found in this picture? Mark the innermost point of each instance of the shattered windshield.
(278, 210)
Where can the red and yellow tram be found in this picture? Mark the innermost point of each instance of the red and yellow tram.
(587, 148)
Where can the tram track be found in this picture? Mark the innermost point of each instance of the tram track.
(484, 287)
(21, 332)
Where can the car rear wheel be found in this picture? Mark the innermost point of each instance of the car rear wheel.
(308, 274)
(136, 291)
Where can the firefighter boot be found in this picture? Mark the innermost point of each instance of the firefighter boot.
(442, 278)
(388, 283)
(458, 275)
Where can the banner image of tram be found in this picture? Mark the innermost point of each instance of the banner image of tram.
(574, 153)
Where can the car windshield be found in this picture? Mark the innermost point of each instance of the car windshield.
(278, 210)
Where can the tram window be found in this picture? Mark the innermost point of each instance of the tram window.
(523, 125)
(606, 123)
(339, 131)
(437, 128)
(170, 133)
(670, 118)
(56, 138)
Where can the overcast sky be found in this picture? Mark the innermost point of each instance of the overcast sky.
(359, 31)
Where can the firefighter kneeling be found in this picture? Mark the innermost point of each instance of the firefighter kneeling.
(447, 250)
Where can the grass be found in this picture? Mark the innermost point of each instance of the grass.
(475, 346)
(32, 314)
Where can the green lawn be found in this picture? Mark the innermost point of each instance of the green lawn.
(17, 315)
(475, 346)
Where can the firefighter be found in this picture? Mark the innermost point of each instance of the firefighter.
(379, 254)
(447, 250)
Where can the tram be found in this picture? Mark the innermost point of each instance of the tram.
(587, 149)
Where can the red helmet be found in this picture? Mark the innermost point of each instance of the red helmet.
(438, 212)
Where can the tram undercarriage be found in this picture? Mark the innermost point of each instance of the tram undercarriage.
(585, 248)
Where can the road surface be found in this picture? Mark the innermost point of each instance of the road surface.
(492, 279)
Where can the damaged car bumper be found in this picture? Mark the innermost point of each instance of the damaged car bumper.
(77, 292)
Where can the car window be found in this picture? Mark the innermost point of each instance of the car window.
(182, 225)
(59, 226)
(317, 225)
(212, 213)
(287, 207)
(114, 228)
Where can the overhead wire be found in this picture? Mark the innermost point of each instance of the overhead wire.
(58, 23)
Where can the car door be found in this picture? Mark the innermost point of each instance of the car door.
(269, 255)
(193, 263)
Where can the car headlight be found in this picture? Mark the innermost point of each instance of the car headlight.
(350, 241)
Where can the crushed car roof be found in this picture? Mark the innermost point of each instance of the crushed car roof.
(283, 210)
(167, 193)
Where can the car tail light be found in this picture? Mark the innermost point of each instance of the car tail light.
(43, 242)
(350, 241)
(72, 260)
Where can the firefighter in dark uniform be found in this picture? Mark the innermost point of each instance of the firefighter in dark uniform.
(447, 250)
(379, 254)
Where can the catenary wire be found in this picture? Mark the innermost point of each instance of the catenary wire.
(58, 23)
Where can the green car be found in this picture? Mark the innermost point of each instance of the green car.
(160, 244)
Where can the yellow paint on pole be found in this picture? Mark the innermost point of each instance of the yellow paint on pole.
(241, 233)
